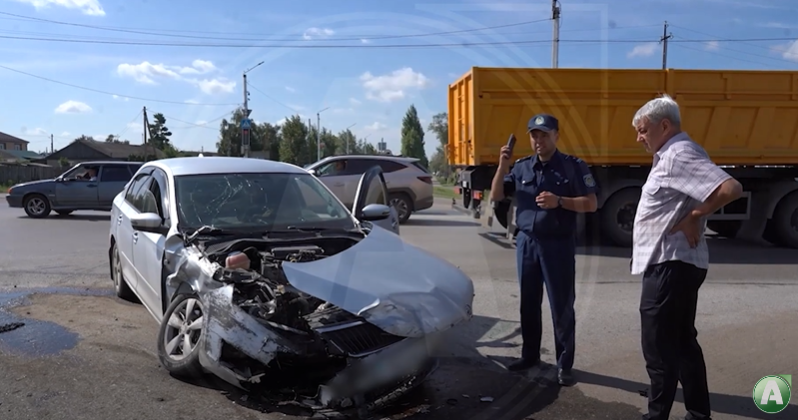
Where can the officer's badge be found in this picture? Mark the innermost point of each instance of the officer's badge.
(539, 120)
(589, 181)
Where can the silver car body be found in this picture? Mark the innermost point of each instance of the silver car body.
(391, 300)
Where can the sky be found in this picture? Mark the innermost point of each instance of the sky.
(333, 56)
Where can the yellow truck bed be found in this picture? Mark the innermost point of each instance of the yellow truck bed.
(740, 117)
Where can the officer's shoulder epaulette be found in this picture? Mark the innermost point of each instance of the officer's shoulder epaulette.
(525, 158)
(572, 157)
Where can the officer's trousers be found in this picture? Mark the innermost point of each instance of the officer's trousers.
(551, 261)
(670, 347)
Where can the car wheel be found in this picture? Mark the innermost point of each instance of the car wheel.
(37, 206)
(401, 202)
(180, 336)
(121, 286)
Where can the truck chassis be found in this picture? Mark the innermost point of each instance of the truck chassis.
(767, 210)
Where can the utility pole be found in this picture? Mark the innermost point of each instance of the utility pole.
(318, 134)
(347, 137)
(245, 122)
(52, 150)
(555, 39)
(664, 40)
(145, 135)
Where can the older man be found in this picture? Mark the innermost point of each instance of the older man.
(670, 251)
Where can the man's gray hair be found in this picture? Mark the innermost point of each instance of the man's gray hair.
(659, 109)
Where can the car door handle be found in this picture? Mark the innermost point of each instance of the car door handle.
(135, 237)
(119, 220)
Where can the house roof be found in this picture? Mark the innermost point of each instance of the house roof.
(25, 154)
(8, 138)
(117, 150)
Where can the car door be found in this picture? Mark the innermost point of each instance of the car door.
(76, 192)
(124, 232)
(113, 179)
(372, 189)
(148, 247)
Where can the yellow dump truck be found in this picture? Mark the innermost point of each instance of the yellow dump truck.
(746, 120)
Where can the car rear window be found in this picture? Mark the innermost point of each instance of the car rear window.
(419, 166)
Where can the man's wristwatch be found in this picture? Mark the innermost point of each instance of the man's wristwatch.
(559, 201)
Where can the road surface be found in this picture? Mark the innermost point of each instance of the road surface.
(84, 354)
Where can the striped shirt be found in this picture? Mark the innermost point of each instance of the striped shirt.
(682, 177)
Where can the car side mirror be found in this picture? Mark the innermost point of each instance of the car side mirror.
(148, 222)
(374, 212)
(313, 172)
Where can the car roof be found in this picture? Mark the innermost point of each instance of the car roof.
(378, 157)
(204, 165)
(109, 162)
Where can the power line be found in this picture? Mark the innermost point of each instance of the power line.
(390, 46)
(204, 125)
(370, 38)
(255, 88)
(109, 93)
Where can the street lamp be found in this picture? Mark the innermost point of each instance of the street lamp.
(318, 133)
(245, 124)
(347, 138)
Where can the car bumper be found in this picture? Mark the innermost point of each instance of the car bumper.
(14, 201)
(391, 370)
(424, 203)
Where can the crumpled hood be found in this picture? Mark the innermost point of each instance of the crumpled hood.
(398, 287)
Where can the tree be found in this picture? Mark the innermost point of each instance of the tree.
(261, 136)
(413, 137)
(440, 126)
(294, 145)
(160, 136)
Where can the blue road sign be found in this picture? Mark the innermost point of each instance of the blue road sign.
(246, 123)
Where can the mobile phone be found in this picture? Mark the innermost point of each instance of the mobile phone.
(511, 142)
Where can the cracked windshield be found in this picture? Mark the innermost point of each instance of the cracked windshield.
(462, 210)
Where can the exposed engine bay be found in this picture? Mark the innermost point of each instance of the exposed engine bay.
(310, 341)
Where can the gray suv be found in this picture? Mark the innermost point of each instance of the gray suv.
(409, 184)
(85, 186)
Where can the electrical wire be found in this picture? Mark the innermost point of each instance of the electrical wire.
(204, 125)
(111, 93)
(256, 89)
(127, 126)
(368, 38)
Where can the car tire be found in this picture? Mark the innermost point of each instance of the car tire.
(121, 287)
(36, 206)
(403, 205)
(186, 325)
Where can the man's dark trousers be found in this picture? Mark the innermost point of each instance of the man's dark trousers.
(551, 261)
(669, 339)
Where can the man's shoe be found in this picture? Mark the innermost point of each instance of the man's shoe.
(565, 377)
(523, 364)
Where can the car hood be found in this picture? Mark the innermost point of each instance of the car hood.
(398, 287)
(33, 183)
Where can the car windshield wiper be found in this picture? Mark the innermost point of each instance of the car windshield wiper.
(310, 229)
(207, 230)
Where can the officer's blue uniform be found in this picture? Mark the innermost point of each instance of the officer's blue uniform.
(546, 245)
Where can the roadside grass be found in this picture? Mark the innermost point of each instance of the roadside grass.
(444, 191)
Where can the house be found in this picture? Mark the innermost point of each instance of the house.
(82, 150)
(9, 142)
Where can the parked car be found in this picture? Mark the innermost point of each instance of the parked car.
(260, 275)
(85, 186)
(409, 183)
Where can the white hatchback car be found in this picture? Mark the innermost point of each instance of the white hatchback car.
(255, 270)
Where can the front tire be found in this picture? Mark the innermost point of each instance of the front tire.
(120, 284)
(37, 206)
(180, 336)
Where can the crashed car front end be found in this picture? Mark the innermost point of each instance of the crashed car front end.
(334, 340)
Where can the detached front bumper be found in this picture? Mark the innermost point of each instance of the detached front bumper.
(360, 381)
(14, 201)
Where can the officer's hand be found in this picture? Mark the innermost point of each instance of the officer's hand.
(505, 155)
(691, 227)
(547, 200)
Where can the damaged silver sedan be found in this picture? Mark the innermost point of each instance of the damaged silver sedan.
(259, 275)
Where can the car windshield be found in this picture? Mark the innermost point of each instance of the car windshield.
(258, 201)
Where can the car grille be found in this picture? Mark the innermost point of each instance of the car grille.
(357, 339)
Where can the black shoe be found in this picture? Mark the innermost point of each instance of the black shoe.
(565, 378)
(523, 364)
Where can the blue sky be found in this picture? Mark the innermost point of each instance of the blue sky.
(369, 87)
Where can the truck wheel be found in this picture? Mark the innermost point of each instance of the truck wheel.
(725, 228)
(785, 220)
(618, 216)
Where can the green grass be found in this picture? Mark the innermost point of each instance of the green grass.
(444, 191)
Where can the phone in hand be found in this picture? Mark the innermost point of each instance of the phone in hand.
(511, 142)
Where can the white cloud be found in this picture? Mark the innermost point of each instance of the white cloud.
(149, 74)
(789, 51)
(376, 126)
(72, 107)
(354, 101)
(315, 33)
(365, 41)
(87, 7)
(290, 89)
(34, 132)
(777, 25)
(65, 133)
(392, 86)
(712, 46)
(643, 50)
(120, 98)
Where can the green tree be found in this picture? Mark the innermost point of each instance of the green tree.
(413, 137)
(294, 144)
(260, 135)
(440, 126)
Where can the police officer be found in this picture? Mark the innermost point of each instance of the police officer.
(550, 187)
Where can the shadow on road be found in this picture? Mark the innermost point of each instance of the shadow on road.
(742, 406)
(86, 217)
(439, 222)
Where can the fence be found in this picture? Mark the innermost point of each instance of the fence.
(14, 174)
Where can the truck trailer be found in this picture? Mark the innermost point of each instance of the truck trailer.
(746, 120)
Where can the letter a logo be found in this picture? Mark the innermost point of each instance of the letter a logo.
(772, 393)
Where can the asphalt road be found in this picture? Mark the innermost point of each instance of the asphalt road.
(84, 354)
